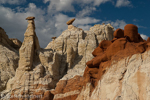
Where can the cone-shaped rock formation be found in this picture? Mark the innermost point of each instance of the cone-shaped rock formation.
(29, 46)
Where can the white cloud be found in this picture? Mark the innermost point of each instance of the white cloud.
(68, 5)
(85, 21)
(12, 1)
(116, 24)
(86, 11)
(45, 1)
(98, 2)
(121, 3)
(85, 27)
(135, 20)
(139, 26)
(92, 2)
(144, 36)
(60, 5)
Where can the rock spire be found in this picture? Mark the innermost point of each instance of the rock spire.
(30, 44)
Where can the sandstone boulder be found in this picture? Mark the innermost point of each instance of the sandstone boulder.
(131, 31)
(97, 51)
(119, 33)
(70, 21)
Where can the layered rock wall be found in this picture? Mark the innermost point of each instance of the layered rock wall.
(112, 65)
(40, 69)
(8, 59)
(75, 45)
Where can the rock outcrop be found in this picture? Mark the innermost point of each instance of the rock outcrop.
(82, 44)
(8, 59)
(114, 64)
(27, 52)
(40, 69)
(99, 64)
(127, 79)
(75, 46)
(17, 43)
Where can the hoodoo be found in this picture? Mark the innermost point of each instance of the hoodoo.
(29, 46)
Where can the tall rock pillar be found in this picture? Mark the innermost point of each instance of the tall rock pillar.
(29, 45)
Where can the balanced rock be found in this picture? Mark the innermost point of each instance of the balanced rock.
(30, 18)
(54, 38)
(70, 21)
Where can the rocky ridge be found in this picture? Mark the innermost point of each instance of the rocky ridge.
(8, 58)
(99, 64)
(114, 60)
(66, 54)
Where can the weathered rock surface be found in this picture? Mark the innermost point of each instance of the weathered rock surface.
(8, 59)
(9, 43)
(75, 47)
(29, 46)
(40, 69)
(17, 43)
(111, 74)
(127, 79)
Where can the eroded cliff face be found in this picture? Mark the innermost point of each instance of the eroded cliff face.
(98, 64)
(8, 59)
(40, 69)
(75, 46)
(127, 79)
(116, 72)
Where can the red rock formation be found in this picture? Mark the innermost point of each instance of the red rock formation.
(119, 33)
(148, 39)
(104, 44)
(125, 43)
(97, 51)
(131, 31)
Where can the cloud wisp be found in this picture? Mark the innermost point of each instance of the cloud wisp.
(123, 3)
(14, 2)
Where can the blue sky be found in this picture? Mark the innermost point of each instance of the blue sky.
(51, 16)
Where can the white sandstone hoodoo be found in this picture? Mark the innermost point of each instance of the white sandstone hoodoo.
(30, 44)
